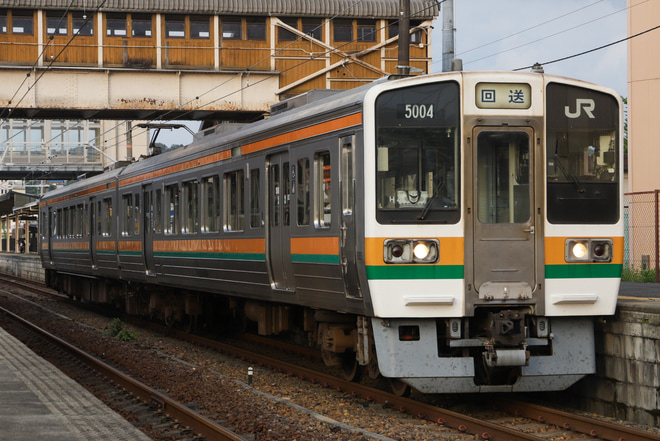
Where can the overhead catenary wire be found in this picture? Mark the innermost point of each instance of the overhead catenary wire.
(590, 50)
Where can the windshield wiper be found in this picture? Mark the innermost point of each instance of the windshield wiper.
(436, 192)
(569, 174)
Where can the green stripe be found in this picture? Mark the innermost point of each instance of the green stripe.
(583, 271)
(315, 258)
(388, 272)
(130, 253)
(259, 257)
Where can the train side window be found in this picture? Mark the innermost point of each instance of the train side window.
(255, 201)
(323, 200)
(99, 216)
(65, 222)
(57, 221)
(158, 211)
(85, 220)
(286, 194)
(172, 207)
(303, 183)
(191, 207)
(3, 22)
(211, 204)
(136, 214)
(106, 218)
(80, 220)
(126, 228)
(234, 209)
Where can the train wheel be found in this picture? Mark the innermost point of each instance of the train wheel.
(191, 327)
(351, 368)
(399, 388)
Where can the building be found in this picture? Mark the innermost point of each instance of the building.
(642, 202)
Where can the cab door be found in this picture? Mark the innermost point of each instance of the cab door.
(503, 224)
(279, 221)
(348, 234)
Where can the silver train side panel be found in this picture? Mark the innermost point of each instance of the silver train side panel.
(418, 364)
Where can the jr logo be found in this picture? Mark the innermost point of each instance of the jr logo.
(588, 105)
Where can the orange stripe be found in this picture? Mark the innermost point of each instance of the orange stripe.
(212, 245)
(451, 250)
(307, 132)
(555, 249)
(106, 245)
(220, 156)
(96, 189)
(79, 246)
(130, 245)
(315, 245)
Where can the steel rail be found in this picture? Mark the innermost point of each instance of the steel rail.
(184, 415)
(592, 427)
(483, 429)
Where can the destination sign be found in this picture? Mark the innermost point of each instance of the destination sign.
(503, 96)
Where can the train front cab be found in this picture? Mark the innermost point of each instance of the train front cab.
(498, 229)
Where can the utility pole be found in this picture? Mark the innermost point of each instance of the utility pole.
(403, 67)
(448, 34)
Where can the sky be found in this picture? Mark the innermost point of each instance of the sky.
(511, 34)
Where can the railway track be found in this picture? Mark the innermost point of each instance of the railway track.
(521, 416)
(157, 401)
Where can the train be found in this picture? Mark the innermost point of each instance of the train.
(455, 232)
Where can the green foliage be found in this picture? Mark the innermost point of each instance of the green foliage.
(116, 329)
(631, 274)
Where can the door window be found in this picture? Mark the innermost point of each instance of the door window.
(503, 194)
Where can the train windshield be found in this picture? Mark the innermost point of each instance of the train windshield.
(582, 155)
(417, 136)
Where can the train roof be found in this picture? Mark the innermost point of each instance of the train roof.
(387, 9)
(237, 135)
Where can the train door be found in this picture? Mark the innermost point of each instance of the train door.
(348, 236)
(279, 221)
(148, 222)
(93, 230)
(51, 232)
(503, 224)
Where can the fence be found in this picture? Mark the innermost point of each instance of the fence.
(641, 257)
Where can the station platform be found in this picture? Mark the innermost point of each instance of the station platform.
(639, 290)
(38, 402)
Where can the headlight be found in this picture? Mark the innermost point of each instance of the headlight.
(579, 250)
(588, 250)
(411, 251)
(421, 250)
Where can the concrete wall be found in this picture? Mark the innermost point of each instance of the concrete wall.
(627, 383)
(26, 266)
